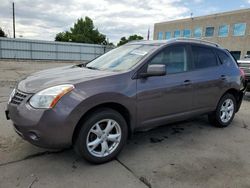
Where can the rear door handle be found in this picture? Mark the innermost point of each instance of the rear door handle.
(223, 77)
(187, 82)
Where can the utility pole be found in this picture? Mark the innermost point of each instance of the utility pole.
(191, 16)
(148, 33)
(14, 25)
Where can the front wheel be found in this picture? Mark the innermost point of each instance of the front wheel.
(225, 111)
(102, 136)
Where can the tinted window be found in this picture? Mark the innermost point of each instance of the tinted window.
(160, 36)
(168, 35)
(209, 32)
(239, 29)
(197, 32)
(175, 59)
(223, 30)
(224, 58)
(203, 57)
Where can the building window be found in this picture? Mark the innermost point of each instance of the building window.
(209, 32)
(247, 55)
(177, 33)
(197, 32)
(236, 54)
(168, 35)
(160, 36)
(187, 33)
(223, 31)
(239, 29)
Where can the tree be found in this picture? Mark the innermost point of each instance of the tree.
(2, 34)
(123, 40)
(63, 36)
(83, 31)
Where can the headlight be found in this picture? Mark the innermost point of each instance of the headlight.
(48, 98)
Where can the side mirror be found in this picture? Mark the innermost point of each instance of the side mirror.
(155, 70)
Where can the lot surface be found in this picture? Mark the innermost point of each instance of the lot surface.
(186, 154)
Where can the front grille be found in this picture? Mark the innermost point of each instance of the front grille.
(18, 97)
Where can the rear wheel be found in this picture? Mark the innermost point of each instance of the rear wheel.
(225, 111)
(102, 136)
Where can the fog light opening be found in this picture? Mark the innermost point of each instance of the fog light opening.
(33, 136)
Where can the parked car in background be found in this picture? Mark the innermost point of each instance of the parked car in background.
(244, 64)
(95, 107)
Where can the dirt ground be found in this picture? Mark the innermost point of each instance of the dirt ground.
(187, 154)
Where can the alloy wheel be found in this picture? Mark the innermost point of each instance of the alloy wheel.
(226, 110)
(103, 138)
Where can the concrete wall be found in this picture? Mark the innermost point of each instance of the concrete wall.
(233, 43)
(45, 50)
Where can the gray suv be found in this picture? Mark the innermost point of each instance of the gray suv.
(94, 107)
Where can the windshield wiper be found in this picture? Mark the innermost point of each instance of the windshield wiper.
(93, 68)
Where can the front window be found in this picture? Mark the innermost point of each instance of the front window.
(197, 32)
(160, 36)
(186, 33)
(122, 58)
(177, 33)
(239, 29)
(223, 30)
(174, 57)
(209, 32)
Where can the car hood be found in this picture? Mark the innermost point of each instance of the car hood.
(62, 75)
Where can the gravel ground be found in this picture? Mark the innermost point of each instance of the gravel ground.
(186, 154)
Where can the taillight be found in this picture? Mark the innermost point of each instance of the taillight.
(242, 73)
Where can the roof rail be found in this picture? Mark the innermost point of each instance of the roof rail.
(197, 40)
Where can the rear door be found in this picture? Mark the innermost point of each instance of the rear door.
(207, 77)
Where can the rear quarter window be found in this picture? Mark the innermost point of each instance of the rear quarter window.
(225, 58)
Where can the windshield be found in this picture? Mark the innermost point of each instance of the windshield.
(122, 58)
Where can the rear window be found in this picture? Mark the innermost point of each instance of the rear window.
(203, 57)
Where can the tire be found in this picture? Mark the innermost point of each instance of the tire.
(97, 141)
(226, 106)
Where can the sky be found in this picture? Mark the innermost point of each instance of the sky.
(43, 19)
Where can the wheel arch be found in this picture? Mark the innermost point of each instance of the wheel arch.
(238, 96)
(112, 105)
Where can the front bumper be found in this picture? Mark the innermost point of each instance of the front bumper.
(47, 128)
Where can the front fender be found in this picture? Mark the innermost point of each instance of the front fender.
(89, 103)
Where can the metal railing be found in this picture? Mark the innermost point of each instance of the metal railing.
(46, 50)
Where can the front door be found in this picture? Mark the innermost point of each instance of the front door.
(160, 97)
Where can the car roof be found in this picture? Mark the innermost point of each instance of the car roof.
(165, 42)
